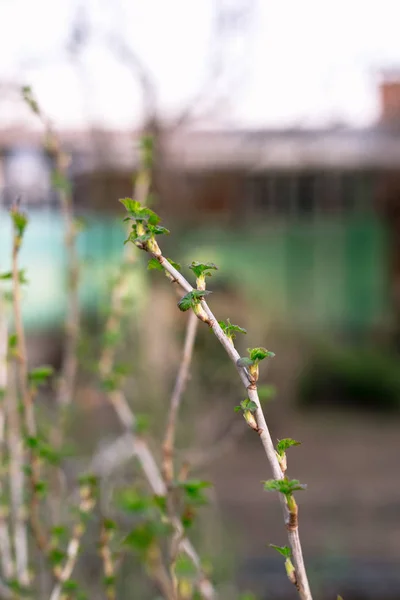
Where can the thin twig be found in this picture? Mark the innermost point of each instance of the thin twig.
(86, 505)
(176, 398)
(108, 562)
(262, 428)
(7, 566)
(18, 509)
(26, 394)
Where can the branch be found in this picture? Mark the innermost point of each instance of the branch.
(26, 391)
(205, 314)
(108, 561)
(183, 373)
(18, 510)
(86, 506)
(7, 566)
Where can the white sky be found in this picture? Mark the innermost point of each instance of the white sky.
(296, 62)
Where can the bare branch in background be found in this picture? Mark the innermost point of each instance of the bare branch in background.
(26, 391)
(6, 559)
(176, 398)
(16, 474)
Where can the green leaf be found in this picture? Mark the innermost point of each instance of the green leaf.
(140, 213)
(20, 222)
(193, 489)
(28, 97)
(184, 567)
(56, 556)
(109, 525)
(41, 488)
(200, 269)
(248, 404)
(40, 374)
(109, 580)
(131, 501)
(21, 276)
(284, 444)
(284, 550)
(191, 298)
(284, 486)
(176, 265)
(12, 341)
(258, 354)
(49, 454)
(245, 362)
(230, 329)
(158, 230)
(237, 408)
(70, 585)
(153, 264)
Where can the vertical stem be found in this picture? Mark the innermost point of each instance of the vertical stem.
(6, 560)
(176, 398)
(18, 510)
(26, 393)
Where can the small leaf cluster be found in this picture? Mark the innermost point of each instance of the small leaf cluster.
(252, 361)
(155, 265)
(145, 226)
(27, 95)
(284, 444)
(40, 375)
(285, 486)
(202, 270)
(20, 221)
(284, 550)
(249, 408)
(150, 513)
(230, 329)
(192, 498)
(246, 405)
(8, 276)
(192, 299)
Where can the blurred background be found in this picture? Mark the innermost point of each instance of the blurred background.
(277, 154)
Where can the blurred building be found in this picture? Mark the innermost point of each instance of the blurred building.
(333, 192)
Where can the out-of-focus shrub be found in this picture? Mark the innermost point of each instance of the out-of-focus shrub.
(351, 378)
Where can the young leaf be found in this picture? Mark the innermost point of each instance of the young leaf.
(154, 265)
(202, 268)
(260, 353)
(245, 362)
(8, 276)
(248, 405)
(131, 501)
(284, 550)
(176, 265)
(193, 489)
(130, 205)
(27, 95)
(40, 374)
(158, 230)
(230, 329)
(284, 444)
(184, 567)
(191, 298)
(284, 486)
(20, 222)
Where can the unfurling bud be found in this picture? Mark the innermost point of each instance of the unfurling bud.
(250, 419)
